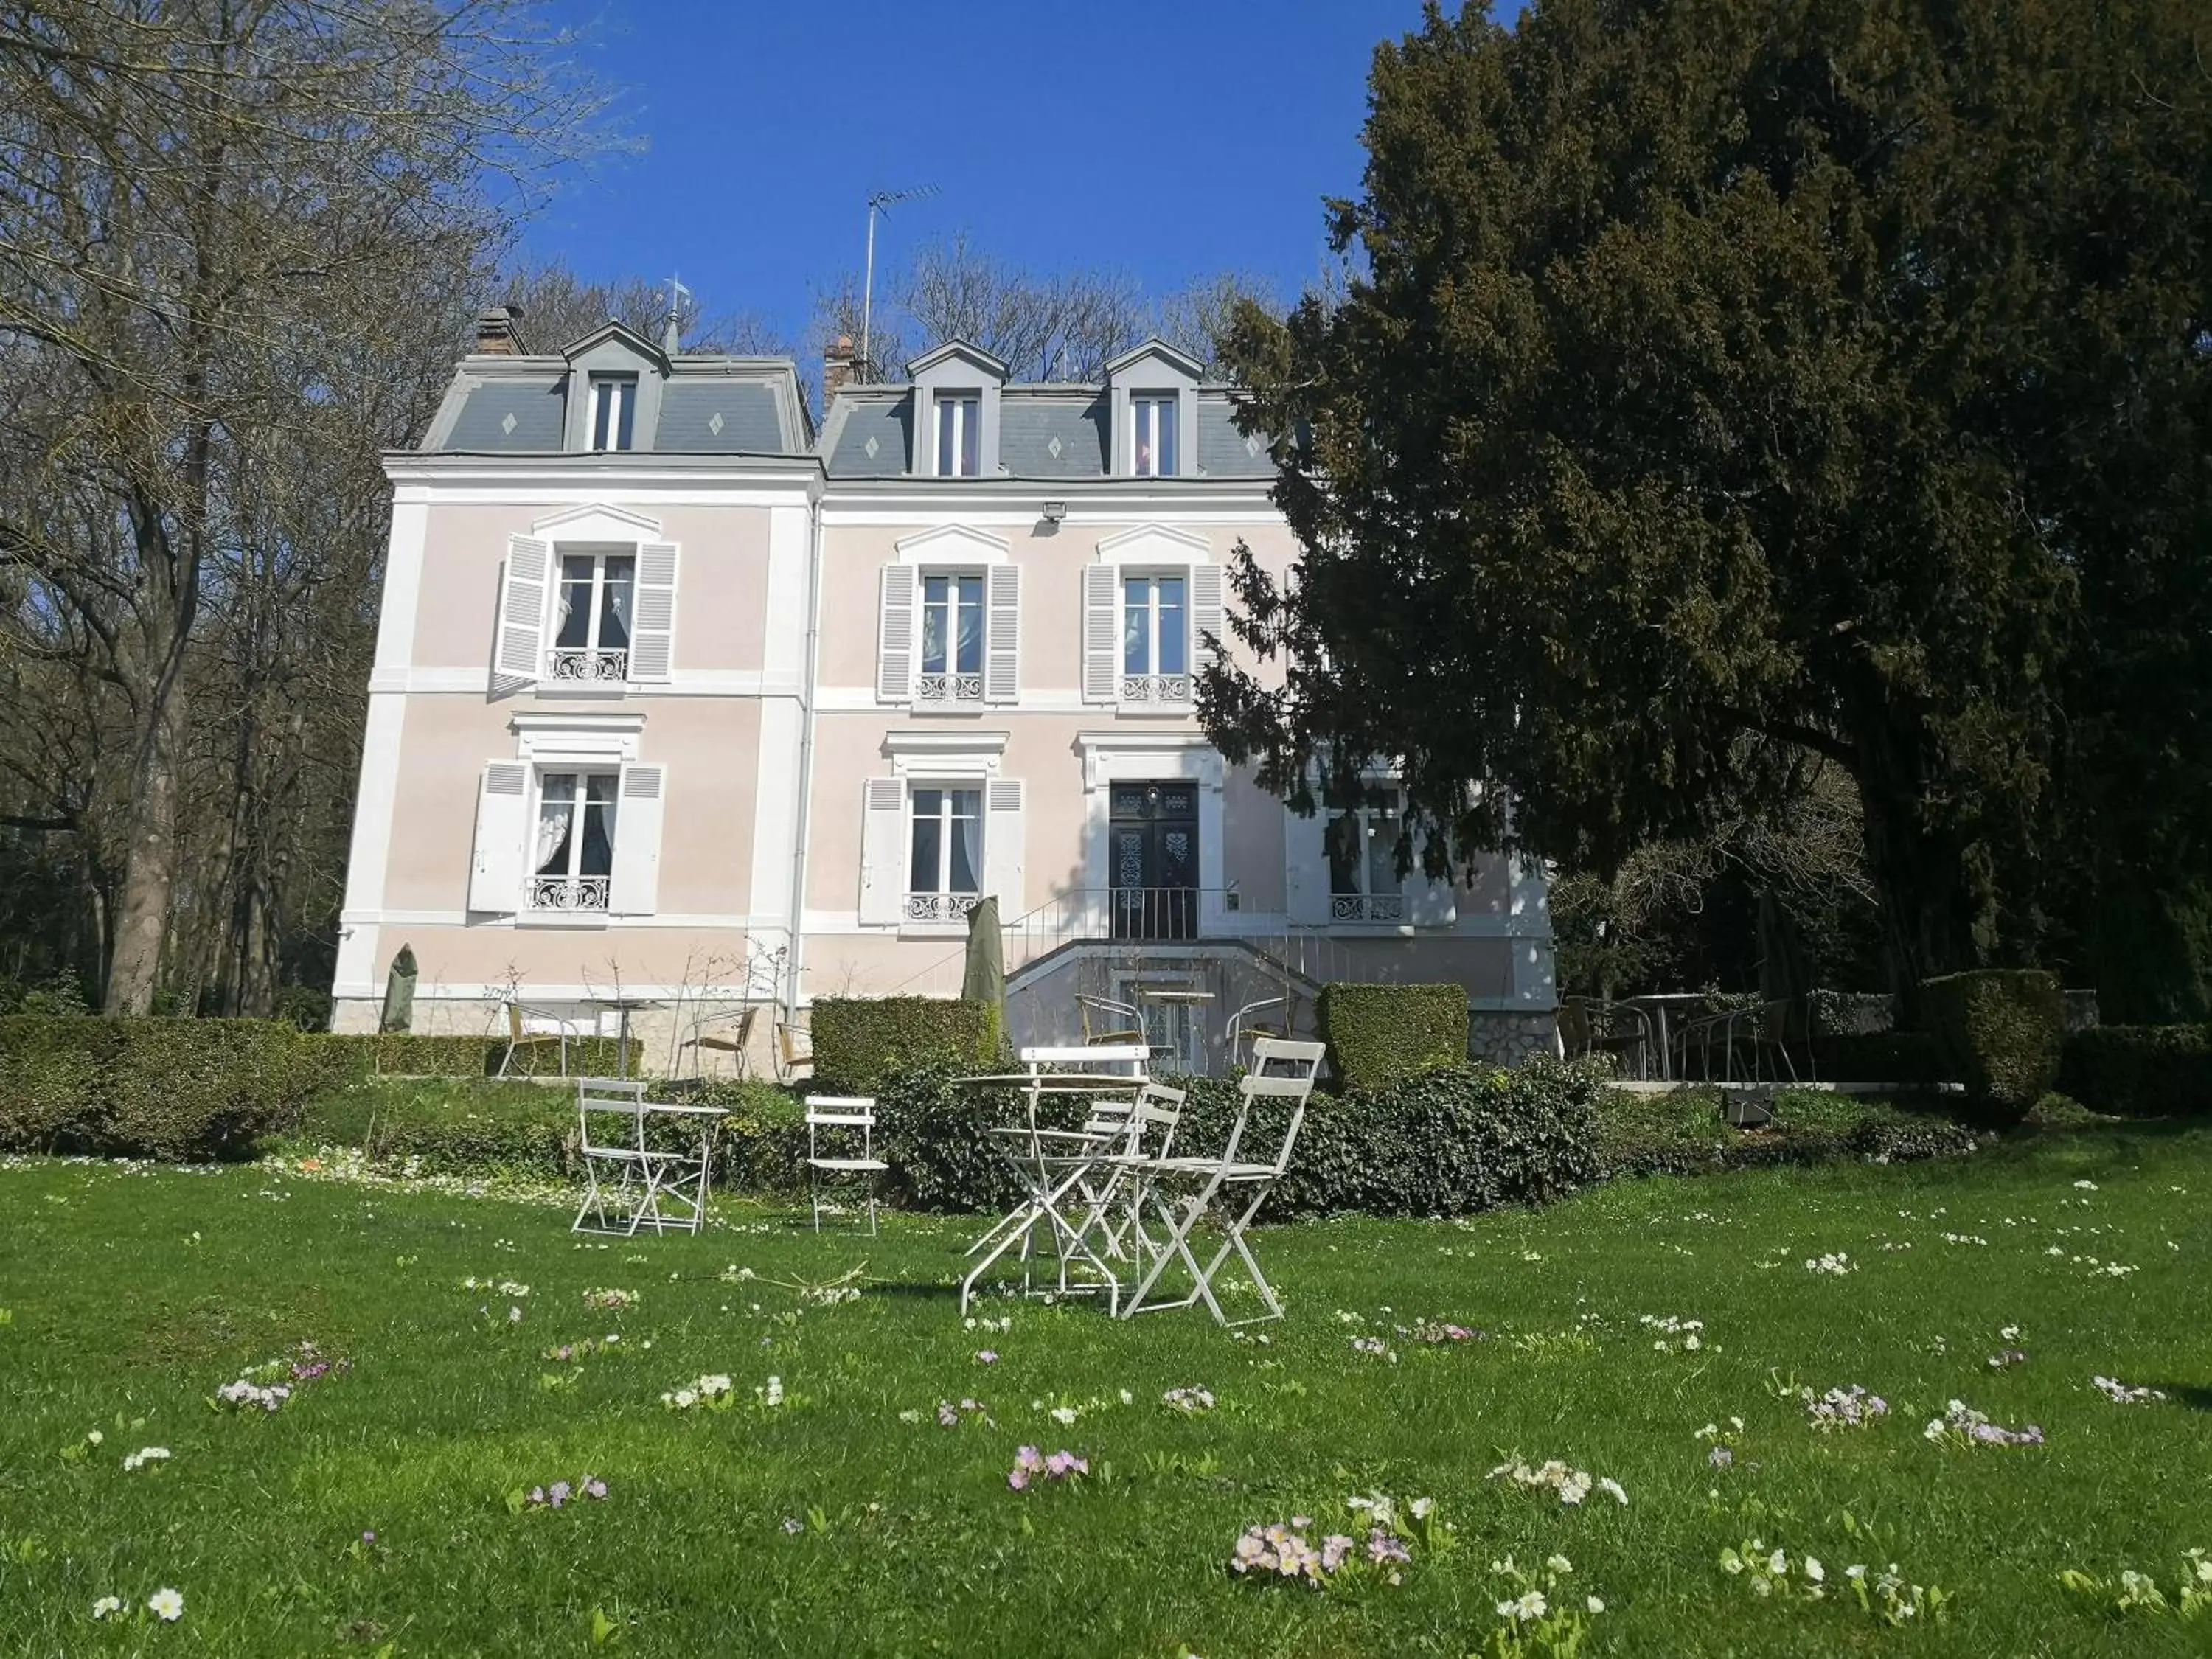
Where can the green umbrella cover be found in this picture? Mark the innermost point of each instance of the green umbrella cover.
(984, 977)
(400, 993)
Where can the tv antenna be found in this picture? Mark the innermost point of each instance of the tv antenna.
(881, 201)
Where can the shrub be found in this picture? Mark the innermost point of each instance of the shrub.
(1377, 1034)
(1681, 1133)
(414, 1054)
(2000, 1030)
(932, 1135)
(859, 1041)
(2140, 1071)
(153, 1088)
(1880, 1057)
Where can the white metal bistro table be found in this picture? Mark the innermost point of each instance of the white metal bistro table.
(623, 1006)
(1178, 996)
(1051, 1164)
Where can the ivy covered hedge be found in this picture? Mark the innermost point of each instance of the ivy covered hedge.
(2140, 1071)
(1377, 1034)
(1682, 1131)
(861, 1041)
(2000, 1031)
(151, 1088)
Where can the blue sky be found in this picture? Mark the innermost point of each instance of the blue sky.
(1170, 140)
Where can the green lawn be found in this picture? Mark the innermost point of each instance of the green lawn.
(829, 1525)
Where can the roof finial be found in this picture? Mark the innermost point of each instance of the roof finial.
(672, 336)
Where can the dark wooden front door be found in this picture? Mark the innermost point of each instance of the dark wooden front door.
(1153, 847)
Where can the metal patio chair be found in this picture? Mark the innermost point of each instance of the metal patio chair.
(794, 1047)
(736, 1044)
(844, 1115)
(1231, 1185)
(1247, 1024)
(1108, 1022)
(627, 1178)
(535, 1028)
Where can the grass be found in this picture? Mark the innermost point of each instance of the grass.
(132, 1293)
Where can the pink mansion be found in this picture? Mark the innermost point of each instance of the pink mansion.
(679, 700)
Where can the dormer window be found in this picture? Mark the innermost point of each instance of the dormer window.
(959, 434)
(613, 410)
(1152, 435)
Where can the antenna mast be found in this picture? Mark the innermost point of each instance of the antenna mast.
(880, 202)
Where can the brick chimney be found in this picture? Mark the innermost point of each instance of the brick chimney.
(838, 368)
(498, 331)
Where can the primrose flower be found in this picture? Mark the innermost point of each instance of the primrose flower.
(987, 1357)
(1529, 1606)
(166, 1605)
(1594, 1604)
(108, 1607)
(144, 1455)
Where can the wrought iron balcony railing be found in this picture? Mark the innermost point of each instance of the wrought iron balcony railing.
(1367, 907)
(582, 893)
(949, 687)
(940, 907)
(1166, 688)
(576, 662)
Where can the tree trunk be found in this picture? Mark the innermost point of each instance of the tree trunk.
(150, 868)
(1919, 868)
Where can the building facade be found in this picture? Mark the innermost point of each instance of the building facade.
(679, 702)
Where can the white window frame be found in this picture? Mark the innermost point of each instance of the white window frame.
(940, 903)
(1363, 904)
(1152, 688)
(1145, 408)
(962, 411)
(952, 685)
(589, 663)
(614, 400)
(572, 894)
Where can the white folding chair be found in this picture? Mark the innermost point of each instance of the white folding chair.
(1233, 1185)
(625, 1172)
(1108, 1179)
(842, 1114)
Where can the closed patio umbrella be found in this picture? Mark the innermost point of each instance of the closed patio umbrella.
(400, 993)
(983, 979)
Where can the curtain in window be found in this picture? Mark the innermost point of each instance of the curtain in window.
(575, 622)
(554, 817)
(967, 841)
(1175, 642)
(968, 591)
(614, 622)
(1136, 626)
(598, 849)
(923, 871)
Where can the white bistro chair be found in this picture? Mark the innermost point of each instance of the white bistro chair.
(630, 1184)
(1232, 1185)
(848, 1117)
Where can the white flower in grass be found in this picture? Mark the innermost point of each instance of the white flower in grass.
(1777, 1563)
(1813, 1571)
(1612, 1489)
(1063, 1414)
(1594, 1604)
(166, 1605)
(1559, 1564)
(108, 1607)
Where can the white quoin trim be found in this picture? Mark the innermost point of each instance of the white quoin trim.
(502, 821)
(896, 644)
(640, 805)
(883, 850)
(523, 590)
(1002, 845)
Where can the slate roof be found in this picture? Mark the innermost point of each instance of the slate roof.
(1053, 434)
(750, 425)
(885, 417)
(1045, 432)
(510, 416)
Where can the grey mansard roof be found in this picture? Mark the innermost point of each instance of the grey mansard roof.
(1045, 433)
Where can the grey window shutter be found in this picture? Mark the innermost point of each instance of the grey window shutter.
(1002, 661)
(496, 872)
(640, 805)
(652, 634)
(1002, 845)
(1102, 632)
(521, 653)
(896, 654)
(1206, 614)
(883, 851)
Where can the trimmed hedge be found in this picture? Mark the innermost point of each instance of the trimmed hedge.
(1379, 1034)
(2001, 1031)
(2140, 1071)
(861, 1041)
(1446, 1142)
(413, 1053)
(1682, 1133)
(487, 1127)
(151, 1088)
